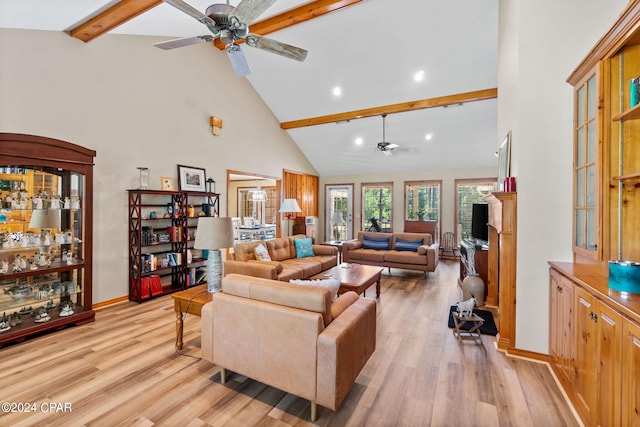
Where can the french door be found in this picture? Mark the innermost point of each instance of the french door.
(338, 212)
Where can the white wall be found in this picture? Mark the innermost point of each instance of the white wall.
(541, 42)
(447, 196)
(137, 106)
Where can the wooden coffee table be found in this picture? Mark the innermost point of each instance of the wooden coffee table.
(190, 301)
(354, 277)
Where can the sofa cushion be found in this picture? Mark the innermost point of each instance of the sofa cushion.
(304, 247)
(262, 254)
(245, 251)
(279, 249)
(405, 257)
(309, 266)
(312, 298)
(364, 255)
(377, 243)
(406, 245)
(331, 283)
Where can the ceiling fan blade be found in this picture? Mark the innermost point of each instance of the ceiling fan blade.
(392, 146)
(195, 13)
(274, 46)
(387, 152)
(238, 61)
(248, 11)
(186, 41)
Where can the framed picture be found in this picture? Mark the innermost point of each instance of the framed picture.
(191, 179)
(504, 160)
(166, 183)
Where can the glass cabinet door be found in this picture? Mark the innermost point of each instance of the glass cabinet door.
(41, 245)
(586, 229)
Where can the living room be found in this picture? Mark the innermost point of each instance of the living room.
(136, 107)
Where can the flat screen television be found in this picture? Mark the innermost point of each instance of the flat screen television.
(479, 221)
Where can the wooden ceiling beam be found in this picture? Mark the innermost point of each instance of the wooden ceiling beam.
(112, 17)
(478, 95)
(295, 16)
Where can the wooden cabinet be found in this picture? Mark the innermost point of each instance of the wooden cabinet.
(46, 251)
(602, 349)
(630, 373)
(606, 215)
(597, 360)
(162, 226)
(607, 146)
(561, 326)
(501, 286)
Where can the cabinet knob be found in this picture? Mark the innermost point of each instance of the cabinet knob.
(559, 289)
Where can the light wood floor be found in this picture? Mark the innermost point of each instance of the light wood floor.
(123, 370)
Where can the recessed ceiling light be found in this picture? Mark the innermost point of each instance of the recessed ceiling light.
(419, 76)
(428, 136)
(337, 91)
(359, 141)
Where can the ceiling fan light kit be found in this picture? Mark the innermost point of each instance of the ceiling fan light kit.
(231, 24)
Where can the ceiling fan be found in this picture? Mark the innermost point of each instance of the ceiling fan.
(384, 146)
(231, 24)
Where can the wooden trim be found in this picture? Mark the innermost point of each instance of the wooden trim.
(116, 15)
(529, 355)
(441, 101)
(295, 16)
(110, 302)
(610, 43)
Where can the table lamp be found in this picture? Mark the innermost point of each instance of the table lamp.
(336, 218)
(213, 234)
(288, 207)
(45, 220)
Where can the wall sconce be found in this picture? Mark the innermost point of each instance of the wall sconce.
(211, 185)
(216, 125)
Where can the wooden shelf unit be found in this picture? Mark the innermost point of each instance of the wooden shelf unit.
(177, 204)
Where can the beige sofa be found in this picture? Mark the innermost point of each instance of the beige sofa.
(424, 259)
(284, 264)
(291, 337)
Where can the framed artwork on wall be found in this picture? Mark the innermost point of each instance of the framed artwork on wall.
(504, 160)
(166, 183)
(191, 178)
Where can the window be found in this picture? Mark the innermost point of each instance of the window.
(469, 192)
(377, 203)
(259, 203)
(422, 200)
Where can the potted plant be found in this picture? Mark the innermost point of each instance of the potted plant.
(421, 213)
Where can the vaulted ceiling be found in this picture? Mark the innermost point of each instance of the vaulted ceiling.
(430, 65)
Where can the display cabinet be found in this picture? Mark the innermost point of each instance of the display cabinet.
(162, 227)
(603, 323)
(45, 235)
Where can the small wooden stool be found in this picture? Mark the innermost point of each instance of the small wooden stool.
(473, 333)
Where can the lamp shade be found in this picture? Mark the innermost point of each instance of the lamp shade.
(214, 233)
(290, 205)
(336, 218)
(45, 218)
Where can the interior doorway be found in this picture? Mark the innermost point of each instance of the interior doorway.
(338, 212)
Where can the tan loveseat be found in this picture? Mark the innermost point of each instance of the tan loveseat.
(284, 264)
(424, 259)
(291, 337)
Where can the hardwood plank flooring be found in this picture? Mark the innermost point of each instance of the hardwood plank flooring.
(123, 370)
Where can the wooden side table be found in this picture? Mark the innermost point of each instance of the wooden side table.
(189, 301)
(336, 244)
(473, 333)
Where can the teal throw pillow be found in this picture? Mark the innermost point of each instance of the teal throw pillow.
(303, 247)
